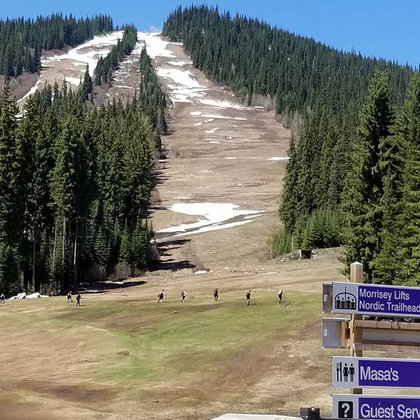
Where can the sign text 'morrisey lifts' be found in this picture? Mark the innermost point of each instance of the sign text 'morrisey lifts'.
(372, 299)
(375, 407)
(365, 372)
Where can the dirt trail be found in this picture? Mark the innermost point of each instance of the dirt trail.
(220, 152)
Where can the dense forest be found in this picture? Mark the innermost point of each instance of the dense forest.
(105, 66)
(75, 186)
(351, 178)
(22, 40)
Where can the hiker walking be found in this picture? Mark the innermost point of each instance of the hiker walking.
(280, 295)
(161, 296)
(183, 295)
(2, 298)
(78, 297)
(248, 297)
(69, 297)
(216, 294)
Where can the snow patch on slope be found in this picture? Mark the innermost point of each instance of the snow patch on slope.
(215, 216)
(183, 87)
(88, 53)
(77, 59)
(221, 104)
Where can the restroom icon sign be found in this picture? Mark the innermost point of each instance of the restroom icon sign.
(345, 372)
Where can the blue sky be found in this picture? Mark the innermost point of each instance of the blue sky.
(381, 28)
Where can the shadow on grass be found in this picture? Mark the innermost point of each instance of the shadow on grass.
(165, 250)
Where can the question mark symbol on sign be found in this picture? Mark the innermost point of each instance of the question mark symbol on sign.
(346, 408)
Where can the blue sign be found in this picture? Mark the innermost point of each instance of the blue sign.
(370, 299)
(375, 407)
(365, 372)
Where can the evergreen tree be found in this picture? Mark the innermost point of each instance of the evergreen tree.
(366, 183)
(408, 129)
(87, 86)
(9, 233)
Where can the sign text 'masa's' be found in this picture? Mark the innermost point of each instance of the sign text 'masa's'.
(366, 372)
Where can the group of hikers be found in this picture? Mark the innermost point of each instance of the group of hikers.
(70, 298)
(161, 296)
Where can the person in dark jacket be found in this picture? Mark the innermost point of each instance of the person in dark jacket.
(216, 294)
(248, 297)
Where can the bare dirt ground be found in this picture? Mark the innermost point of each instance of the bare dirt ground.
(215, 154)
(221, 155)
(19, 86)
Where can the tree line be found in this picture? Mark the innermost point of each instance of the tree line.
(298, 73)
(75, 187)
(105, 66)
(381, 200)
(22, 40)
(351, 173)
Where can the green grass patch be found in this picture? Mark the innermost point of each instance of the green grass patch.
(170, 340)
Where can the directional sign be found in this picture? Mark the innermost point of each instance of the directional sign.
(365, 372)
(375, 407)
(369, 299)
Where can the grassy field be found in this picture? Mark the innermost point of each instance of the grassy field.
(111, 358)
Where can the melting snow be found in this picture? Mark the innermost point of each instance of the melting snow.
(84, 54)
(184, 87)
(178, 63)
(182, 77)
(220, 104)
(88, 53)
(212, 131)
(23, 295)
(278, 158)
(155, 45)
(73, 80)
(223, 117)
(215, 215)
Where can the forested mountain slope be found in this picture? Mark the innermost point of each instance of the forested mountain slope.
(334, 153)
(22, 40)
(254, 58)
(76, 182)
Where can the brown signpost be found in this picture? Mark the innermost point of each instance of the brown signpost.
(397, 308)
(356, 276)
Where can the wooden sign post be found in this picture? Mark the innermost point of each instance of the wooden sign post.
(356, 276)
